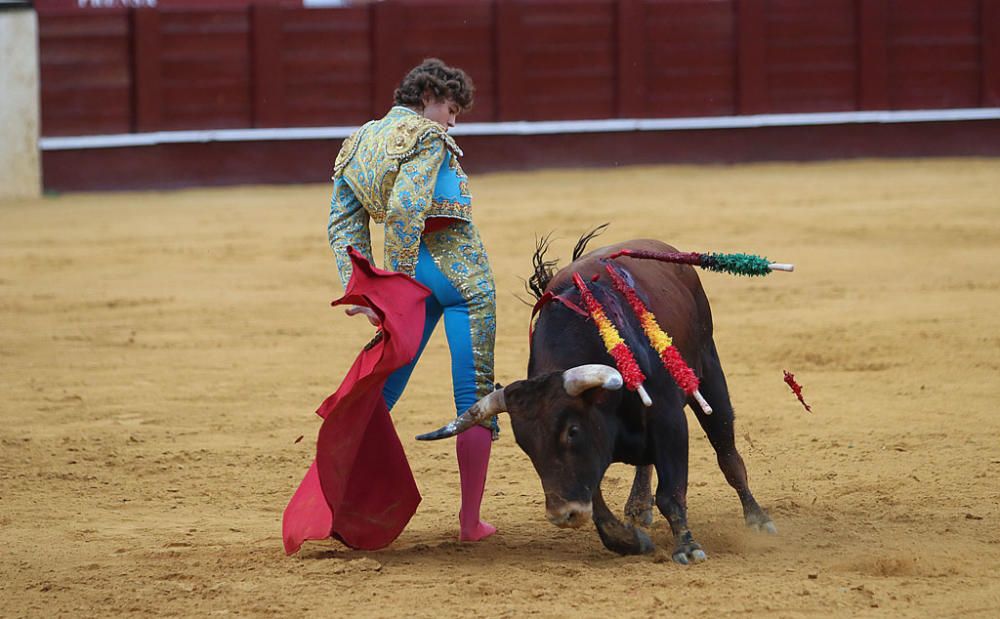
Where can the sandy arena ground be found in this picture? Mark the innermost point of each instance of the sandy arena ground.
(160, 353)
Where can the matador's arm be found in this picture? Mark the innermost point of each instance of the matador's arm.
(348, 227)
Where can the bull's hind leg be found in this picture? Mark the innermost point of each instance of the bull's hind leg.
(719, 428)
(639, 507)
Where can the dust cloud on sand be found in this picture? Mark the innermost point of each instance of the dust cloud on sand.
(160, 353)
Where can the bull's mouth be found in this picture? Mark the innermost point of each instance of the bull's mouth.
(570, 515)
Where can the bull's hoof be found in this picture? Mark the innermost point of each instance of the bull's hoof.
(687, 557)
(758, 520)
(687, 550)
(626, 540)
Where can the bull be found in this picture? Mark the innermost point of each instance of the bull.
(573, 419)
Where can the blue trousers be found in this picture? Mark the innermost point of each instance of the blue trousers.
(446, 301)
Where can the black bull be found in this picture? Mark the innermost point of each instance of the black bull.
(573, 420)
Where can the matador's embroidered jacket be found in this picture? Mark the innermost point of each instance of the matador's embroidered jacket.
(400, 170)
(403, 171)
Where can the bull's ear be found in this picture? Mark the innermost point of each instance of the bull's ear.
(517, 395)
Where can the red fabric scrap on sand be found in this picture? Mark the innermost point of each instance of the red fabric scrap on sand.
(360, 488)
(796, 388)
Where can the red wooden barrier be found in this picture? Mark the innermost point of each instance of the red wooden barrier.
(752, 56)
(990, 21)
(811, 56)
(267, 24)
(85, 93)
(558, 59)
(205, 69)
(873, 54)
(933, 54)
(462, 35)
(632, 93)
(318, 63)
(272, 66)
(147, 78)
(689, 58)
(510, 103)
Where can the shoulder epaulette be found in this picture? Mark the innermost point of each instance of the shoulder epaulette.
(407, 135)
(347, 150)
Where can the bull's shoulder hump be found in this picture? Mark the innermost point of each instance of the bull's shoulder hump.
(646, 245)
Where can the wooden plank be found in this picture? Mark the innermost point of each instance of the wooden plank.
(567, 13)
(460, 34)
(433, 38)
(873, 55)
(691, 50)
(146, 80)
(586, 59)
(941, 58)
(568, 54)
(701, 103)
(83, 25)
(72, 76)
(85, 74)
(923, 18)
(990, 24)
(207, 22)
(751, 33)
(342, 21)
(630, 94)
(89, 51)
(327, 43)
(205, 63)
(197, 47)
(508, 61)
(86, 111)
(811, 55)
(570, 34)
(209, 70)
(934, 54)
(326, 58)
(266, 66)
(388, 69)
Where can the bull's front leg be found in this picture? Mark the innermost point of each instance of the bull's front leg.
(686, 550)
(671, 491)
(617, 536)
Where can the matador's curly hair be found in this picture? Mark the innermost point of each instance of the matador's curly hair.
(442, 81)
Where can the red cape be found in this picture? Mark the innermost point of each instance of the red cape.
(360, 489)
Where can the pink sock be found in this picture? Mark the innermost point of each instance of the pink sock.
(473, 449)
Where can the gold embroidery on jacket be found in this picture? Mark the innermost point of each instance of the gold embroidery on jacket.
(348, 227)
(370, 158)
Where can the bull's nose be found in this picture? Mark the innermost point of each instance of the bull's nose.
(570, 515)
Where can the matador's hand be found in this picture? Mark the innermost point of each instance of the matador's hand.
(367, 311)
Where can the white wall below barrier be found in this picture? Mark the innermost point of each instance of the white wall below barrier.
(20, 168)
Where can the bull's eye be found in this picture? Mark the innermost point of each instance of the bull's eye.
(572, 433)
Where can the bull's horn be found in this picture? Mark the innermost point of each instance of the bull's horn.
(582, 377)
(489, 406)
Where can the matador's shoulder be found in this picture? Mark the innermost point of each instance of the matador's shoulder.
(407, 135)
(348, 148)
